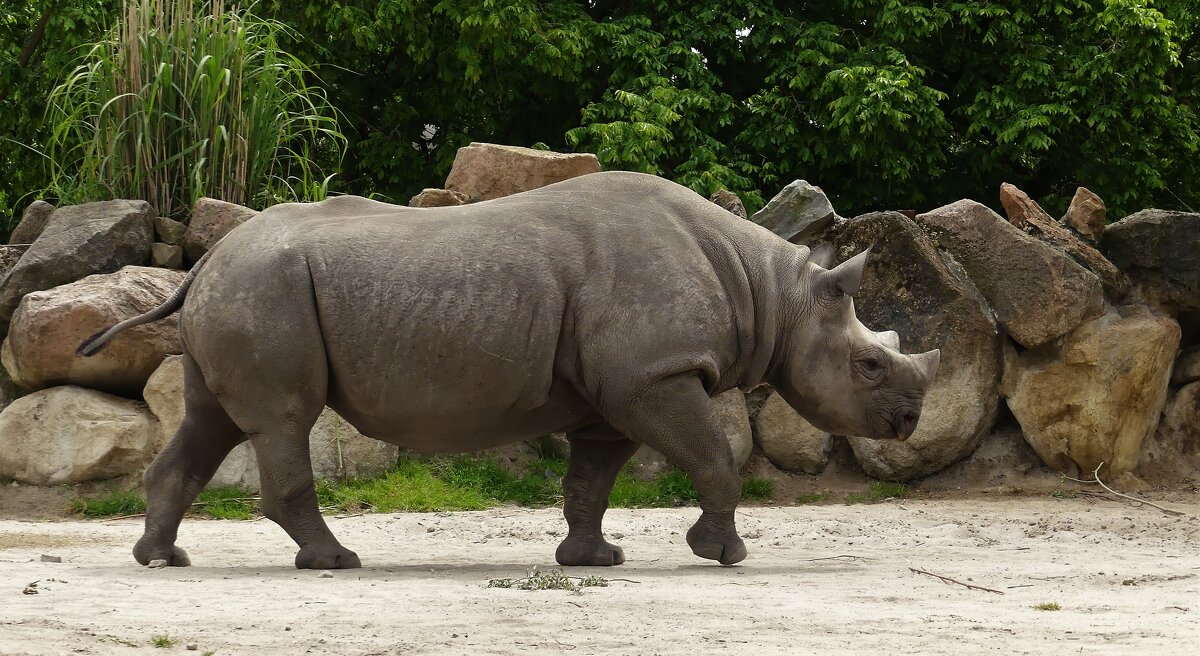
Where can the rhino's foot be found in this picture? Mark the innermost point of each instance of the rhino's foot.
(146, 550)
(338, 557)
(588, 551)
(723, 546)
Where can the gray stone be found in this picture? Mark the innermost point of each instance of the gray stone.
(798, 213)
(157, 563)
(169, 231)
(46, 558)
(438, 198)
(211, 220)
(1160, 251)
(483, 171)
(909, 287)
(33, 222)
(79, 240)
(728, 200)
(166, 256)
(789, 442)
(1037, 293)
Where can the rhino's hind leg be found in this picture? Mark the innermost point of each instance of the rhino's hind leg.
(597, 455)
(676, 418)
(183, 468)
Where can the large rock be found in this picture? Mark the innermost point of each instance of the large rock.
(484, 171)
(1038, 293)
(71, 435)
(336, 448)
(211, 220)
(1096, 397)
(9, 256)
(166, 256)
(1160, 250)
(1187, 367)
(169, 231)
(79, 240)
(1086, 214)
(49, 325)
(1027, 215)
(1174, 449)
(798, 213)
(909, 287)
(438, 198)
(789, 442)
(730, 202)
(33, 222)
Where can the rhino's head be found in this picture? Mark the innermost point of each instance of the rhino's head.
(838, 374)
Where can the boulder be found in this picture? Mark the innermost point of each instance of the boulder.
(1174, 449)
(166, 256)
(1086, 214)
(1160, 251)
(79, 240)
(1027, 215)
(483, 171)
(789, 442)
(730, 202)
(1038, 293)
(211, 220)
(798, 213)
(169, 231)
(67, 435)
(1187, 368)
(9, 256)
(33, 222)
(438, 198)
(909, 287)
(336, 448)
(1095, 397)
(49, 325)
(8, 389)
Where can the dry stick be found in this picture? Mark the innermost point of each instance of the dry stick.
(947, 579)
(836, 557)
(1096, 477)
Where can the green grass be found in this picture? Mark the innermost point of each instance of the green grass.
(162, 641)
(758, 488)
(1049, 605)
(227, 503)
(879, 491)
(815, 497)
(113, 504)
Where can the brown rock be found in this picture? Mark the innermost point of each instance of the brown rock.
(1026, 214)
(33, 222)
(730, 201)
(69, 435)
(1187, 368)
(438, 198)
(166, 256)
(169, 231)
(1086, 214)
(1038, 293)
(211, 220)
(1096, 397)
(9, 256)
(49, 325)
(788, 441)
(1174, 449)
(484, 171)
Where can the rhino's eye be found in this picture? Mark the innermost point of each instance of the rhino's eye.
(870, 364)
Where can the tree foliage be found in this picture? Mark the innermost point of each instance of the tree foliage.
(884, 103)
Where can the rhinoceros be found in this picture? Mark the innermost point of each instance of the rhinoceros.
(611, 306)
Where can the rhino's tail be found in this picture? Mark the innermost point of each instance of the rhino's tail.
(93, 344)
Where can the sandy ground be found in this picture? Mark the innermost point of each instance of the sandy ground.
(830, 579)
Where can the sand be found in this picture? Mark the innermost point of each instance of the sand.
(829, 579)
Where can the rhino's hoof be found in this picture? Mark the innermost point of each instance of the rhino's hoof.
(145, 552)
(588, 551)
(325, 558)
(727, 550)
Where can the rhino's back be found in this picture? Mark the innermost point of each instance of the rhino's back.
(439, 321)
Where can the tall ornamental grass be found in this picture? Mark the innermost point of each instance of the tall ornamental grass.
(189, 98)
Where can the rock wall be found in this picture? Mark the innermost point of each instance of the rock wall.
(1065, 343)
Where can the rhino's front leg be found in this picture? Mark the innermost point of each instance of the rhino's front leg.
(677, 418)
(597, 455)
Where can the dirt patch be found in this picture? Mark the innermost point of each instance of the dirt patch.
(833, 579)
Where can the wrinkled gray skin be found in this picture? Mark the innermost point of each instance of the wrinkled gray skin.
(611, 307)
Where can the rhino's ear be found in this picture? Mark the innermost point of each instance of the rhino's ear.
(847, 276)
(822, 255)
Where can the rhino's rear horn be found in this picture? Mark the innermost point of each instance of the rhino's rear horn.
(928, 363)
(847, 276)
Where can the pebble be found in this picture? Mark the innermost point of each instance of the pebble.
(325, 574)
(46, 558)
(157, 563)
(191, 646)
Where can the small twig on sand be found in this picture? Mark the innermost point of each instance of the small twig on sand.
(809, 560)
(1096, 479)
(235, 499)
(110, 519)
(947, 579)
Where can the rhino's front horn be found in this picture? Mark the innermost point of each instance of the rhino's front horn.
(847, 276)
(928, 363)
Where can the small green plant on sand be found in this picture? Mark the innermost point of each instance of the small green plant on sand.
(1049, 605)
(815, 497)
(758, 488)
(112, 504)
(879, 491)
(162, 641)
(553, 579)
